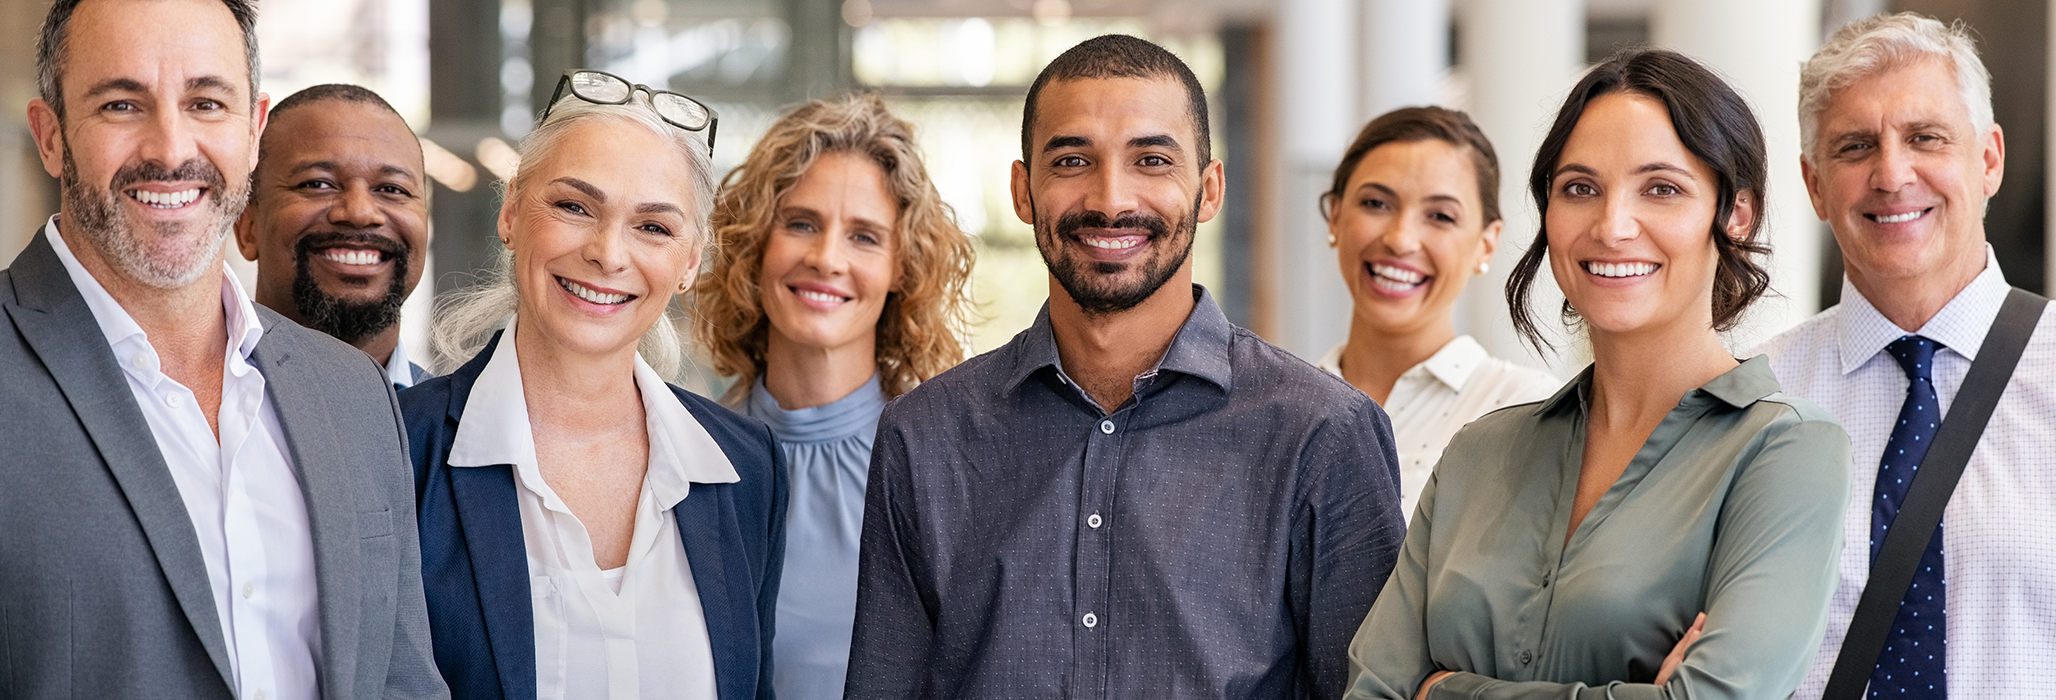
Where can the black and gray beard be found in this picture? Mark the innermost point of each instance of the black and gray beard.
(348, 321)
(1097, 286)
(181, 251)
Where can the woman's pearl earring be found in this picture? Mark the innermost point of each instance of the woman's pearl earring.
(1484, 267)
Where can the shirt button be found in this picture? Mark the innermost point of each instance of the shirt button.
(171, 400)
(140, 361)
(1091, 620)
(249, 588)
(258, 696)
(1092, 521)
(1526, 657)
(1106, 426)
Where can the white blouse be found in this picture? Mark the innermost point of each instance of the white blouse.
(1433, 399)
(637, 631)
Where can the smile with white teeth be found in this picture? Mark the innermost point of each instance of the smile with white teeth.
(347, 256)
(165, 200)
(1397, 279)
(824, 297)
(580, 291)
(1900, 218)
(1633, 269)
(1121, 243)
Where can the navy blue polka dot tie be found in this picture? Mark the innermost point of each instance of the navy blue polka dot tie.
(1913, 662)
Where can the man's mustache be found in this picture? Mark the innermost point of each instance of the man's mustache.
(348, 238)
(1069, 224)
(196, 169)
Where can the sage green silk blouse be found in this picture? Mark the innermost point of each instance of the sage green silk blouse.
(1732, 507)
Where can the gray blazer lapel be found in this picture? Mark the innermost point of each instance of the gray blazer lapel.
(55, 321)
(296, 390)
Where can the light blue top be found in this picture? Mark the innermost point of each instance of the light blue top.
(827, 452)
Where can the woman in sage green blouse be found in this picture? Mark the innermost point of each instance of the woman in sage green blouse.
(1667, 525)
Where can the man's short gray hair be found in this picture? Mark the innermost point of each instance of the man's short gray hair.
(56, 37)
(1873, 45)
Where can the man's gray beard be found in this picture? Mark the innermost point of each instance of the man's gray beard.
(95, 216)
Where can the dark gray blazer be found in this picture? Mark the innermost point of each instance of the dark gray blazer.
(103, 592)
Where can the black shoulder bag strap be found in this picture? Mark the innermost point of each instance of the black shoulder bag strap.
(1929, 493)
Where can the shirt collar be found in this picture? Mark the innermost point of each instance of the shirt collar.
(496, 429)
(1454, 364)
(1960, 325)
(1747, 383)
(245, 328)
(399, 371)
(1200, 349)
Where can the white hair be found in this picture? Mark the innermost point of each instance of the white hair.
(1873, 45)
(467, 318)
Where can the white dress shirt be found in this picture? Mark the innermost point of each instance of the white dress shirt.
(241, 491)
(1999, 530)
(1450, 389)
(625, 633)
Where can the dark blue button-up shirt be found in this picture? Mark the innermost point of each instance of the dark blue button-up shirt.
(1220, 535)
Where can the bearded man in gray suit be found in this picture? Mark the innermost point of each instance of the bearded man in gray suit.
(200, 498)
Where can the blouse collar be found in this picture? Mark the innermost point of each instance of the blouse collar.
(496, 429)
(846, 417)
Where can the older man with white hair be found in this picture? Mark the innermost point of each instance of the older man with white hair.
(1900, 154)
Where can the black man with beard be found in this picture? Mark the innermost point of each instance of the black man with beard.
(338, 220)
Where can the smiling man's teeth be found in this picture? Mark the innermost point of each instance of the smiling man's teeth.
(580, 291)
(352, 257)
(1900, 218)
(165, 200)
(820, 296)
(1122, 243)
(1397, 274)
(1620, 269)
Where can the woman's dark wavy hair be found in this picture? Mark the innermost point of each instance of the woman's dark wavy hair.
(1714, 123)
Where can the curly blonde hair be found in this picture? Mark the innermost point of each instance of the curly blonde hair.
(921, 328)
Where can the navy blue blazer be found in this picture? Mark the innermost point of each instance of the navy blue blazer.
(475, 568)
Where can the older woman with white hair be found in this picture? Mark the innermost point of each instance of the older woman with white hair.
(588, 530)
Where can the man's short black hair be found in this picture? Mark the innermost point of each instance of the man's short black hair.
(333, 91)
(57, 31)
(1119, 56)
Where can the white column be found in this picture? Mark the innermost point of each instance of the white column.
(1520, 58)
(1316, 107)
(1405, 47)
(1758, 46)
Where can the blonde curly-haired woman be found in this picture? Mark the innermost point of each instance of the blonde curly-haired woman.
(840, 284)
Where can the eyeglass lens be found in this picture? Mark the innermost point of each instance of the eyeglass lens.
(677, 108)
(597, 87)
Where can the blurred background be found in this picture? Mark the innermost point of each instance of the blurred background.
(1290, 81)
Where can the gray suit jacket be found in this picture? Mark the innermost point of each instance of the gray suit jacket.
(103, 592)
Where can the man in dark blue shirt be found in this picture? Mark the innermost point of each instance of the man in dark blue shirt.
(1133, 498)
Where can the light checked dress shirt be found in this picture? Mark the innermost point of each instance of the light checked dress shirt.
(827, 456)
(1999, 530)
(1436, 397)
(1219, 535)
(401, 372)
(1731, 508)
(626, 633)
(241, 491)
